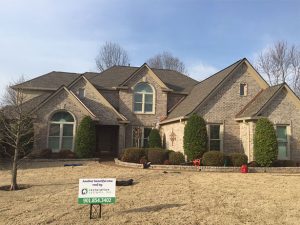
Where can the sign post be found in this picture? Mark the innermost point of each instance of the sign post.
(95, 192)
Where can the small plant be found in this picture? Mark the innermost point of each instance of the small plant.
(176, 158)
(166, 162)
(66, 154)
(157, 155)
(154, 139)
(143, 160)
(85, 141)
(265, 142)
(284, 163)
(213, 158)
(238, 159)
(132, 155)
(195, 137)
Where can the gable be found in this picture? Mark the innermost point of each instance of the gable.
(62, 99)
(210, 87)
(143, 73)
(95, 101)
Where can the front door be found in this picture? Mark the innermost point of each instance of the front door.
(107, 140)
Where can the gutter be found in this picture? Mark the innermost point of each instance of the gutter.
(174, 120)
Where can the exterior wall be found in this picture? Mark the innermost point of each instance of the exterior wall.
(223, 106)
(173, 99)
(41, 124)
(30, 94)
(247, 133)
(283, 111)
(96, 103)
(112, 97)
(137, 119)
(178, 130)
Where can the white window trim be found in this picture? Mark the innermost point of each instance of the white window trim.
(83, 93)
(221, 135)
(245, 89)
(289, 134)
(61, 131)
(143, 100)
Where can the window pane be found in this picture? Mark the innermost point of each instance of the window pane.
(54, 130)
(282, 150)
(214, 131)
(281, 133)
(138, 107)
(138, 98)
(148, 98)
(242, 89)
(215, 145)
(68, 130)
(146, 137)
(62, 117)
(148, 107)
(67, 143)
(147, 132)
(143, 87)
(53, 143)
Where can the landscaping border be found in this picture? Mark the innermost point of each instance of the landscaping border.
(212, 168)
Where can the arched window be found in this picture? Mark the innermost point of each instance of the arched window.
(61, 131)
(143, 98)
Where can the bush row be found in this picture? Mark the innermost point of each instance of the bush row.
(153, 155)
(216, 158)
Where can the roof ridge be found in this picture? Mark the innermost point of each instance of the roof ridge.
(221, 70)
(47, 74)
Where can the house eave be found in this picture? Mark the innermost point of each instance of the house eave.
(173, 120)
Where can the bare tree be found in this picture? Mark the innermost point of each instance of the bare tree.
(166, 61)
(16, 129)
(111, 54)
(281, 63)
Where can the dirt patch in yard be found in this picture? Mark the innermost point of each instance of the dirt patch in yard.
(156, 198)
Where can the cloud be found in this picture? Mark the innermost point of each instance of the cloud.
(200, 70)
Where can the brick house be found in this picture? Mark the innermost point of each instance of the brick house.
(127, 102)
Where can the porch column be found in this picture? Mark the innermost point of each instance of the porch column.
(121, 137)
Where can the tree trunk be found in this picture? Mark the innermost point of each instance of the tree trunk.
(14, 185)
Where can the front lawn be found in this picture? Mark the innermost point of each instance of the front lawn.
(156, 198)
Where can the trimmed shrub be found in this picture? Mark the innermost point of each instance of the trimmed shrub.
(195, 137)
(238, 159)
(265, 142)
(85, 141)
(154, 139)
(45, 153)
(284, 163)
(133, 155)
(253, 164)
(213, 158)
(66, 154)
(157, 155)
(176, 158)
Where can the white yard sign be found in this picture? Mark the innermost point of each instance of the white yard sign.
(97, 191)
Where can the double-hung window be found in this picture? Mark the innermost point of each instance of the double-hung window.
(215, 135)
(283, 141)
(143, 98)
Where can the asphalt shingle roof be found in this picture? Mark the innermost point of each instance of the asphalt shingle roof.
(257, 103)
(200, 92)
(109, 78)
(49, 81)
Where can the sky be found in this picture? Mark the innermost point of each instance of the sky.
(39, 36)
